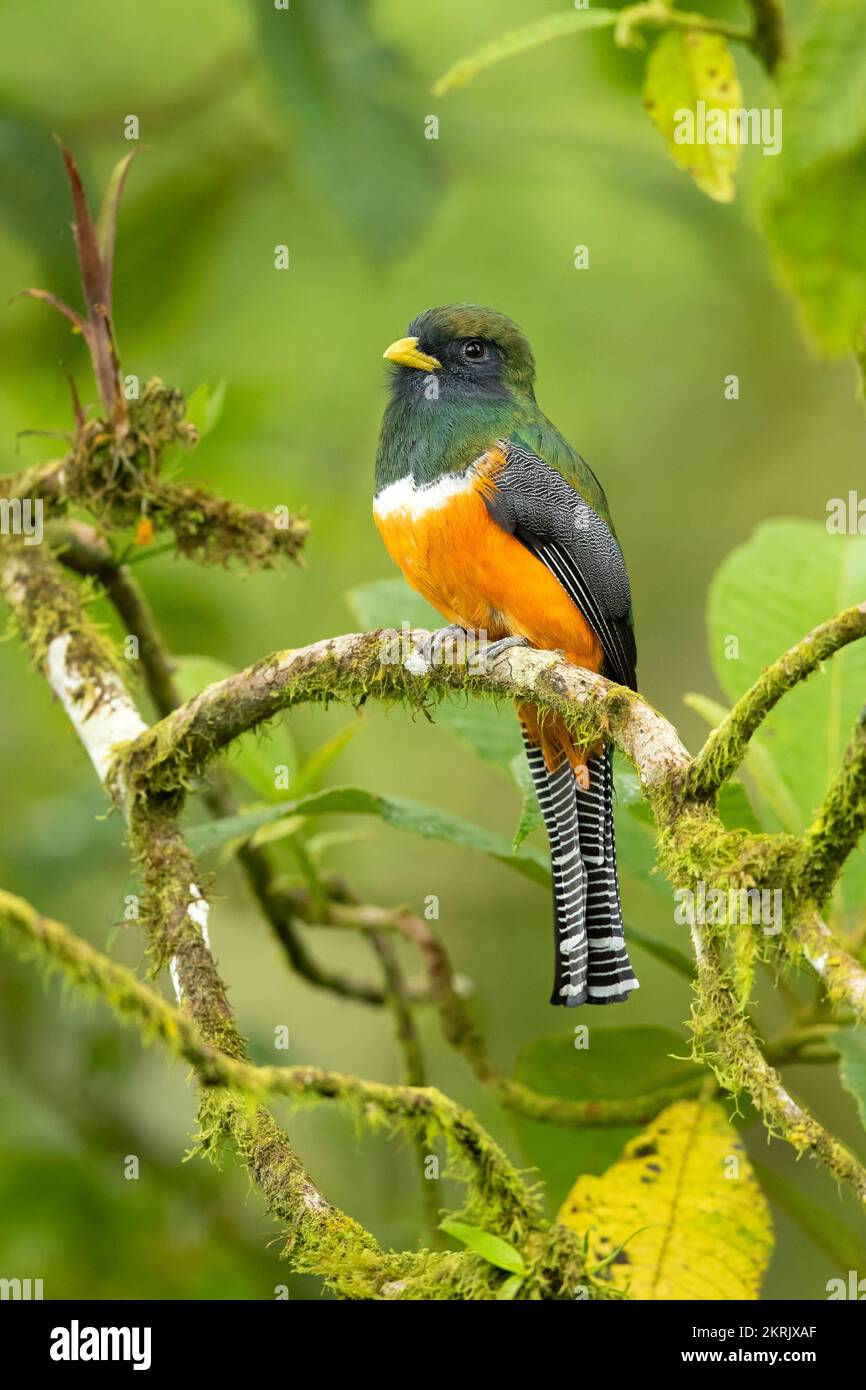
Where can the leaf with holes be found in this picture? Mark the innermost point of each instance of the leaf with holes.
(687, 1182)
(692, 94)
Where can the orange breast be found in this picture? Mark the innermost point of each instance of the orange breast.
(473, 572)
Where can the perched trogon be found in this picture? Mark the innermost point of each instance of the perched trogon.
(505, 529)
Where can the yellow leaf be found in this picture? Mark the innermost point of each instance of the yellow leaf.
(144, 532)
(687, 1182)
(691, 89)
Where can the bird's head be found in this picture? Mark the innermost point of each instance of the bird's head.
(471, 352)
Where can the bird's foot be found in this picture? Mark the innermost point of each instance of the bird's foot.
(445, 643)
(491, 650)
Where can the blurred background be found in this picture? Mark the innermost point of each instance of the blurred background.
(317, 142)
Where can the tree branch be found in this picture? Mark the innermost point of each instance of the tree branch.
(840, 821)
(770, 40)
(83, 551)
(481, 1163)
(725, 1038)
(726, 746)
(116, 476)
(323, 1240)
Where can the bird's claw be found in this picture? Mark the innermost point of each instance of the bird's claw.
(429, 653)
(491, 650)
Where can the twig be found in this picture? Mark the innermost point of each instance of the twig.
(770, 40)
(725, 1038)
(726, 746)
(482, 1163)
(840, 821)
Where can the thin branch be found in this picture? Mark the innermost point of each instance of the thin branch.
(770, 41)
(724, 1038)
(409, 1043)
(115, 475)
(841, 820)
(482, 1163)
(726, 746)
(461, 1032)
(843, 977)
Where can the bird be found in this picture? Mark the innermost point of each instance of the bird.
(502, 526)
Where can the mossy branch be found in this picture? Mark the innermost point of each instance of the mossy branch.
(725, 1039)
(116, 475)
(693, 842)
(841, 820)
(726, 746)
(427, 1111)
(75, 658)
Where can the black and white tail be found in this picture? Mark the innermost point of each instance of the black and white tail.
(592, 964)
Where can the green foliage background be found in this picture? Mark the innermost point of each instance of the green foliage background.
(320, 145)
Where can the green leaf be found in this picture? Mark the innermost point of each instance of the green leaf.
(492, 1248)
(510, 1288)
(521, 40)
(256, 755)
(844, 1247)
(390, 603)
(618, 1063)
(636, 850)
(396, 811)
(852, 1067)
(322, 758)
(684, 68)
(736, 809)
(803, 576)
(205, 406)
(346, 95)
(530, 811)
(654, 946)
(815, 190)
(692, 1231)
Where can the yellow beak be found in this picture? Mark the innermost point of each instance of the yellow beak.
(406, 353)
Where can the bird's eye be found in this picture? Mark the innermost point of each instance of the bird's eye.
(474, 350)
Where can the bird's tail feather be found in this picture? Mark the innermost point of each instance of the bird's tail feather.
(592, 964)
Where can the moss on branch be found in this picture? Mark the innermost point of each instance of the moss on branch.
(117, 476)
(726, 746)
(840, 822)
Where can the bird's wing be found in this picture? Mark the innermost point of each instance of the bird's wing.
(540, 508)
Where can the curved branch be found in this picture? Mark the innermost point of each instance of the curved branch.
(725, 1037)
(840, 821)
(726, 746)
(482, 1163)
(323, 1239)
(388, 665)
(83, 551)
(460, 1031)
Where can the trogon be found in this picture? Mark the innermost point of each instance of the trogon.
(505, 530)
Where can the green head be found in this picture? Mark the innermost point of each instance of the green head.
(463, 377)
(477, 352)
